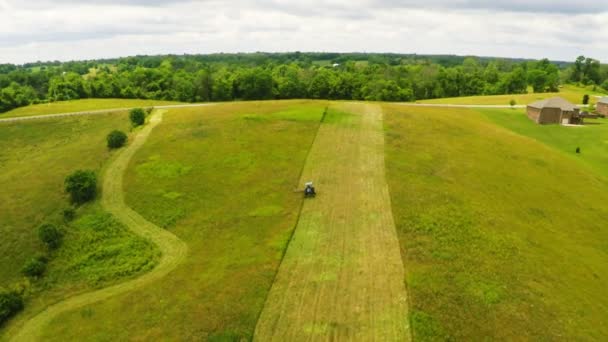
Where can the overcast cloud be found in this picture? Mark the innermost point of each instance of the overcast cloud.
(70, 29)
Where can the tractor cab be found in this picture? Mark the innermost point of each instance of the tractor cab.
(309, 190)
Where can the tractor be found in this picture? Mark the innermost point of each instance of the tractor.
(309, 190)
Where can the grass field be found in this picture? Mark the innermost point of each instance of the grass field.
(499, 222)
(81, 105)
(35, 157)
(592, 137)
(502, 235)
(571, 93)
(342, 275)
(221, 178)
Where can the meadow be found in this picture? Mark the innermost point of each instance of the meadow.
(81, 106)
(35, 158)
(571, 93)
(500, 223)
(502, 235)
(222, 179)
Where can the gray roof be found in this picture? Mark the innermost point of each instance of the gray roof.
(554, 102)
(603, 100)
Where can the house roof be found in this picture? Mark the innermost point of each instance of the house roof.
(554, 102)
(603, 100)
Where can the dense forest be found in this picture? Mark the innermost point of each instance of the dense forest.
(258, 76)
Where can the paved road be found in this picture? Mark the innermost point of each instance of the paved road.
(94, 112)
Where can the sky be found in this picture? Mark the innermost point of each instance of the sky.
(74, 30)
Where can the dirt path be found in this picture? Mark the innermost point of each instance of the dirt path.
(342, 276)
(173, 250)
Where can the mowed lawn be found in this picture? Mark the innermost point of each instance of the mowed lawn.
(80, 106)
(591, 138)
(222, 179)
(35, 158)
(569, 92)
(503, 236)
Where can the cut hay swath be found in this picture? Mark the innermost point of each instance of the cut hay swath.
(342, 274)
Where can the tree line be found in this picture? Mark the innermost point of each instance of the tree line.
(262, 76)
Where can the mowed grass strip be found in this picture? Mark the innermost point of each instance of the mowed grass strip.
(97, 250)
(81, 106)
(504, 237)
(342, 275)
(221, 178)
(172, 250)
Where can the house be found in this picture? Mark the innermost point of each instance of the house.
(602, 106)
(555, 110)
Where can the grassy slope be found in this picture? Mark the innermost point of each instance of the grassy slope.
(503, 237)
(81, 105)
(35, 157)
(592, 138)
(236, 217)
(571, 93)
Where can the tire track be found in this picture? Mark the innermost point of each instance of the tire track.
(173, 249)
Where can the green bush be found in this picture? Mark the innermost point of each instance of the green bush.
(10, 303)
(137, 116)
(35, 267)
(69, 214)
(81, 185)
(116, 139)
(50, 235)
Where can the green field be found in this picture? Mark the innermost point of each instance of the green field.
(571, 93)
(430, 223)
(221, 178)
(35, 157)
(80, 106)
(503, 235)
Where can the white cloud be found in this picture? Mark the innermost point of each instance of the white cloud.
(67, 29)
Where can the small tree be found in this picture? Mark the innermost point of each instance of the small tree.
(81, 185)
(137, 116)
(50, 235)
(10, 303)
(34, 267)
(116, 139)
(512, 102)
(585, 99)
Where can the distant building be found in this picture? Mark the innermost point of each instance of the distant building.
(555, 110)
(602, 106)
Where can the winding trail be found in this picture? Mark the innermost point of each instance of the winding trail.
(173, 249)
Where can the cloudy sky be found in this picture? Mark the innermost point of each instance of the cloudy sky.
(70, 29)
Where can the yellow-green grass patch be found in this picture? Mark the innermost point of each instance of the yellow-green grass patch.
(569, 92)
(236, 209)
(81, 106)
(35, 158)
(503, 236)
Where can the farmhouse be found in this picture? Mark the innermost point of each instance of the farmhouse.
(555, 110)
(602, 106)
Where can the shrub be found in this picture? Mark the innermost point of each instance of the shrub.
(512, 102)
(50, 235)
(34, 267)
(116, 139)
(137, 116)
(81, 185)
(10, 303)
(585, 99)
(69, 214)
